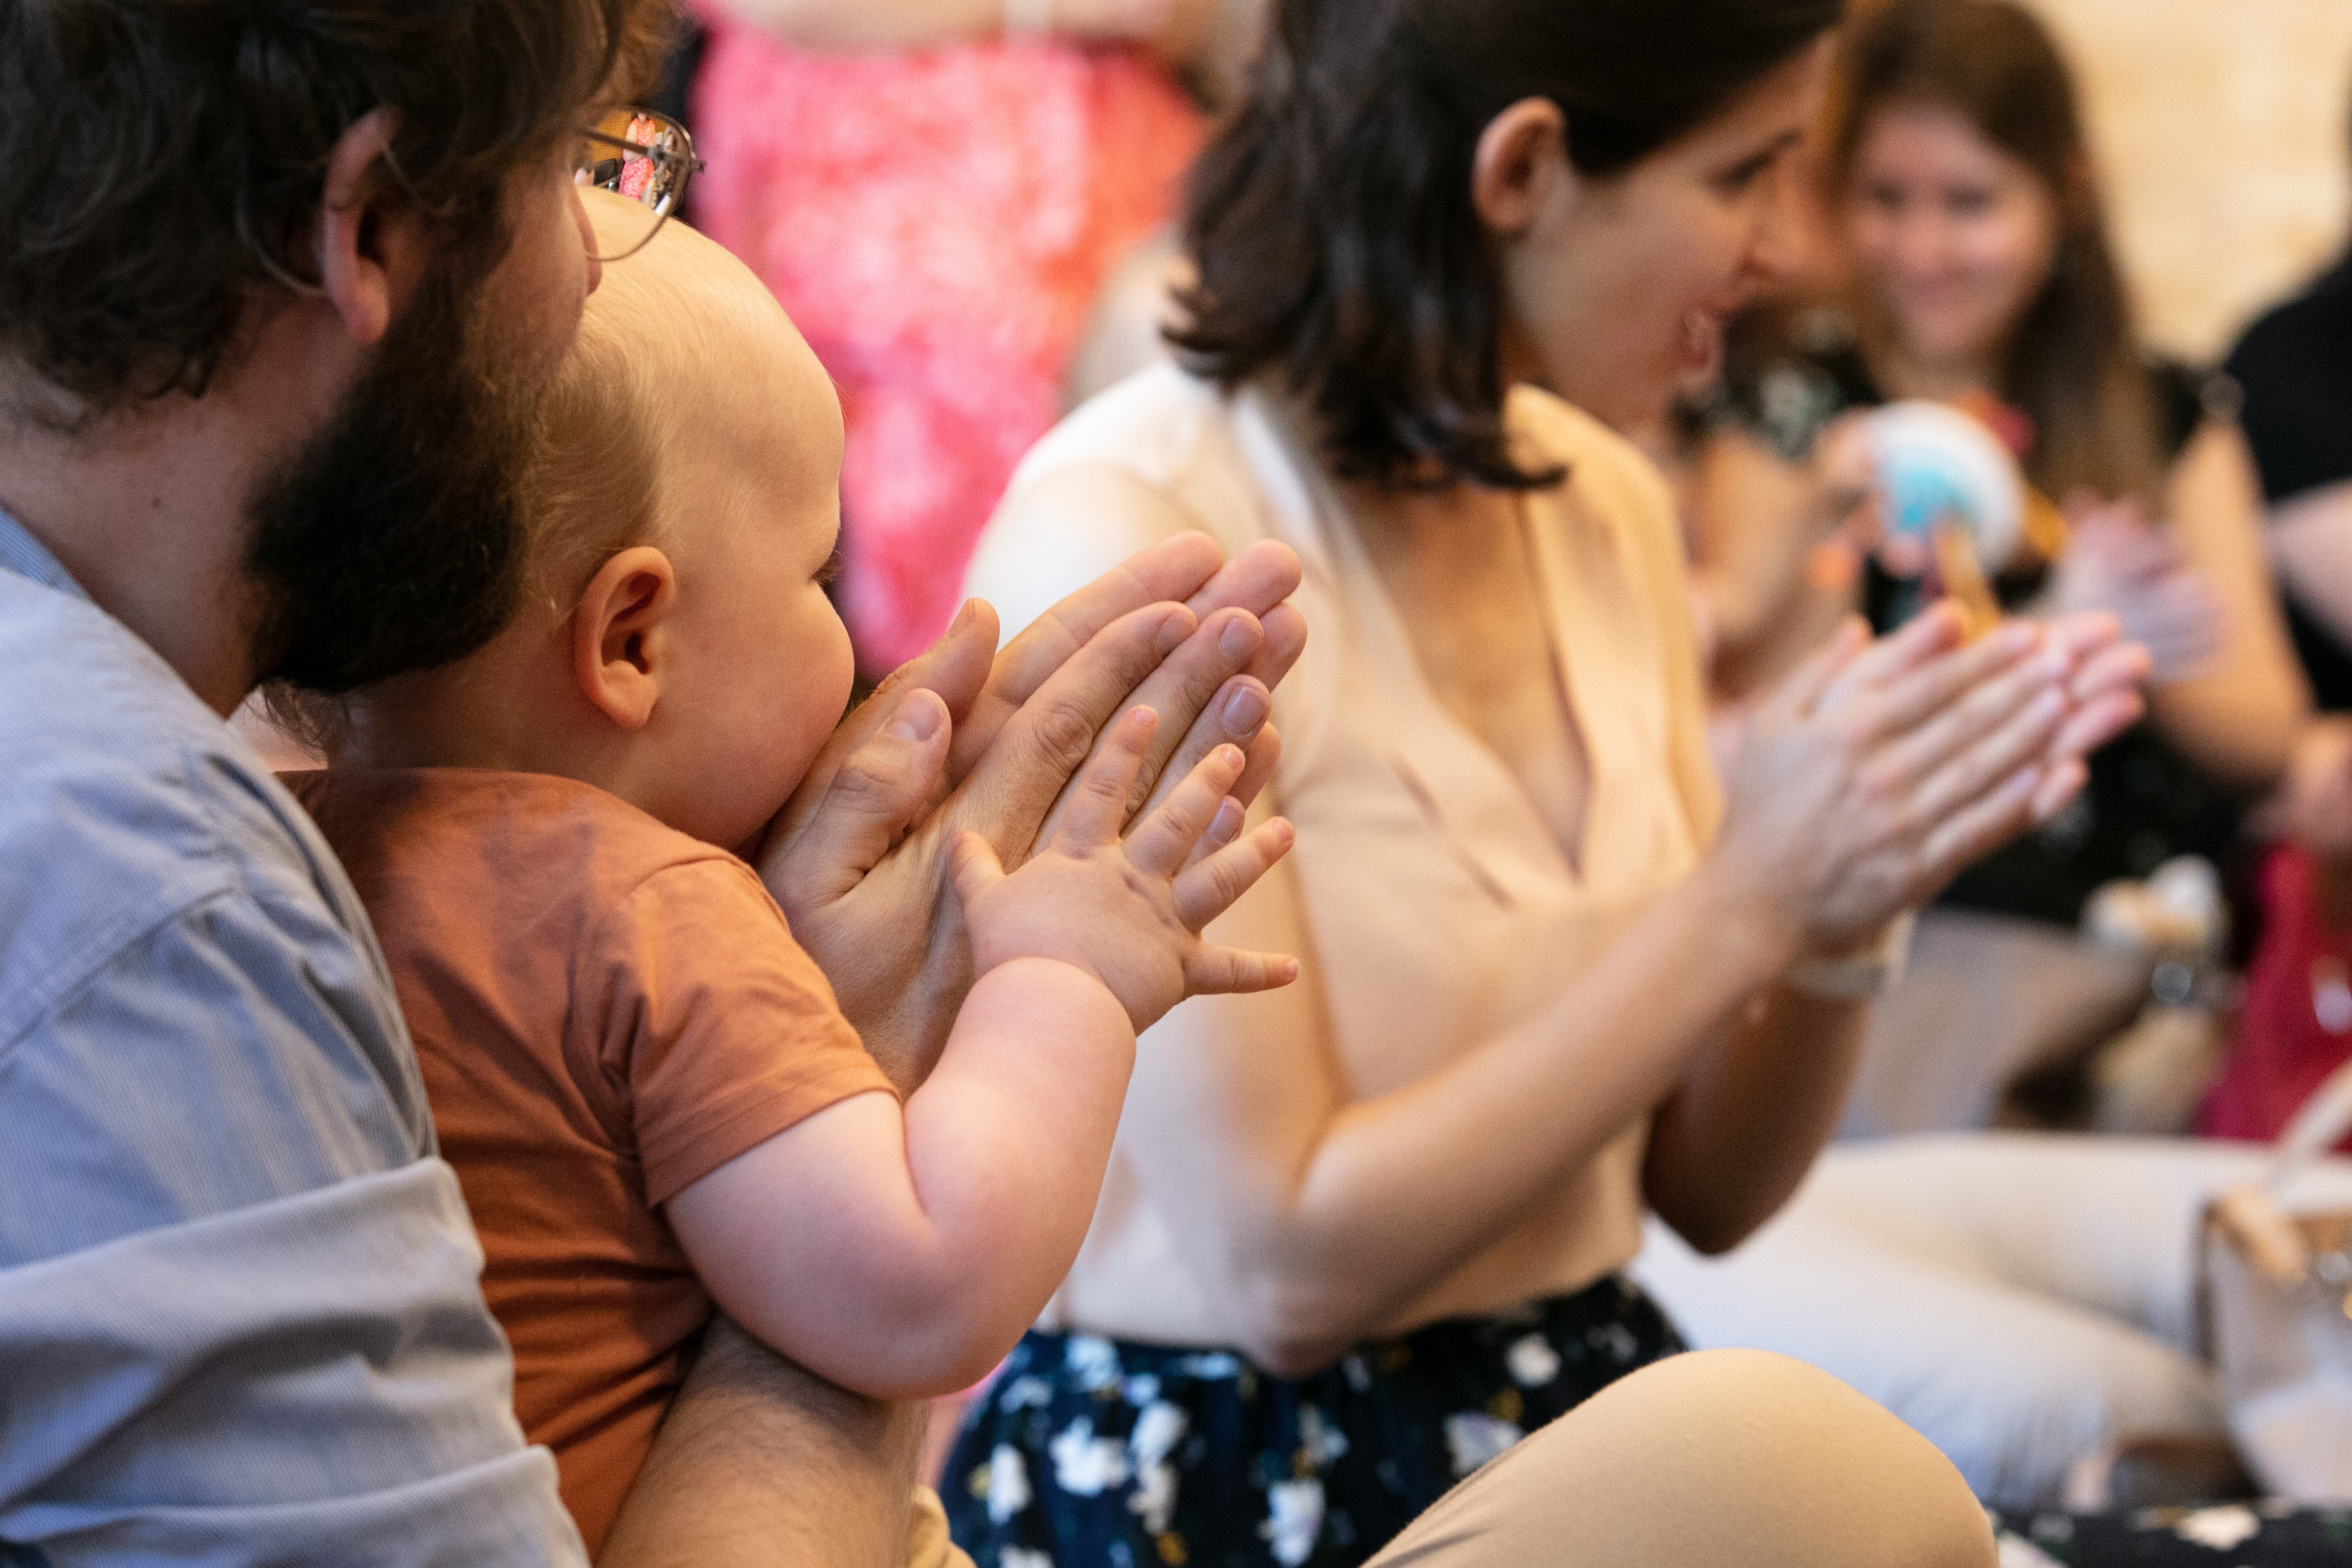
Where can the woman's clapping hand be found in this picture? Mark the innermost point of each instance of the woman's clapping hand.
(1878, 771)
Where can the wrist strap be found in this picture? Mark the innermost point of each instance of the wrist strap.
(1028, 18)
(1863, 974)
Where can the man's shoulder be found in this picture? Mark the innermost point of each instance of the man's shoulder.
(128, 802)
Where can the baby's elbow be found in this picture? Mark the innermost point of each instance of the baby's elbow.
(921, 1360)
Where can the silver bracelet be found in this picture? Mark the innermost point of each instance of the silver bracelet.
(1863, 975)
(1028, 18)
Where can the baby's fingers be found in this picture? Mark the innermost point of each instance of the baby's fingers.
(1225, 970)
(1162, 842)
(1217, 883)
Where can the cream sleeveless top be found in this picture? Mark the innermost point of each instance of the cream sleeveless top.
(1440, 907)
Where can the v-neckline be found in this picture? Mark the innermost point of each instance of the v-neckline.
(1571, 863)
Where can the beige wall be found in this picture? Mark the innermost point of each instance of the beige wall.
(2221, 124)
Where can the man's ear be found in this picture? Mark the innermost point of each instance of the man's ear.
(372, 249)
(620, 643)
(1521, 154)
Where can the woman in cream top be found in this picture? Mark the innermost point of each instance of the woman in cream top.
(1363, 1233)
(1436, 906)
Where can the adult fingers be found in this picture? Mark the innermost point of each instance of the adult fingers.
(1984, 710)
(1044, 744)
(2123, 666)
(2082, 635)
(955, 668)
(2061, 783)
(1286, 638)
(1227, 971)
(1256, 579)
(2094, 724)
(1182, 689)
(1097, 814)
(1217, 883)
(1172, 570)
(1925, 638)
(1223, 828)
(1954, 691)
(1236, 716)
(2021, 742)
(1977, 832)
(1805, 688)
(1265, 757)
(872, 796)
(1163, 841)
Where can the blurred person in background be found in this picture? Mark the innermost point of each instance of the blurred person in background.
(1981, 267)
(937, 190)
(2295, 365)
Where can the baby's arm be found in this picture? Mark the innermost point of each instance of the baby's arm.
(901, 1253)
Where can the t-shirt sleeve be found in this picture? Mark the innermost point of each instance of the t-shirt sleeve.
(718, 1030)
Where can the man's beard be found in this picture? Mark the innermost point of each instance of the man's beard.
(393, 540)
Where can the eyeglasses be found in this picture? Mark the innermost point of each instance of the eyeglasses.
(631, 167)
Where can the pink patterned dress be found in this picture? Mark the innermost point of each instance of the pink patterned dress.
(939, 224)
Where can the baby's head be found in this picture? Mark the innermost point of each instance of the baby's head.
(677, 645)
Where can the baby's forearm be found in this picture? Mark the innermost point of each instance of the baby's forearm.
(902, 1253)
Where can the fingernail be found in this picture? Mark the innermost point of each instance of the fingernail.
(1226, 825)
(1238, 640)
(916, 719)
(962, 619)
(1244, 713)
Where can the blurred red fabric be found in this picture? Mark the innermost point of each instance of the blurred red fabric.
(938, 222)
(2295, 989)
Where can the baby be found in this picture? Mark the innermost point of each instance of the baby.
(650, 1097)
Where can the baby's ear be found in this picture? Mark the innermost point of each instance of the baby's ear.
(620, 641)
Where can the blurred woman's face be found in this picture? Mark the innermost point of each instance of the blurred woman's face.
(1616, 290)
(1953, 238)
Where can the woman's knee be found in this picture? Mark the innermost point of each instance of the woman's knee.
(1712, 1457)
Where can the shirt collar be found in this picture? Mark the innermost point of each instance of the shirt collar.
(22, 553)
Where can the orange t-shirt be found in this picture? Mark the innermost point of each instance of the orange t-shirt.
(607, 1011)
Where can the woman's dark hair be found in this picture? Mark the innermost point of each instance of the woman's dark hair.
(2073, 365)
(165, 158)
(1331, 224)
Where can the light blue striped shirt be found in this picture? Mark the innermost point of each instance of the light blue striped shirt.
(241, 1319)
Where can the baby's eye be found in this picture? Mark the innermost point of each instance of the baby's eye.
(829, 572)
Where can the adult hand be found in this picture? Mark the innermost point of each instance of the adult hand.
(1874, 774)
(960, 741)
(760, 1461)
(2116, 563)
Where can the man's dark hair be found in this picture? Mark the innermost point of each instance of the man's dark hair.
(1331, 220)
(163, 158)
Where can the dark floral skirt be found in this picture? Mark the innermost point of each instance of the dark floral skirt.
(2259, 1535)
(1095, 1453)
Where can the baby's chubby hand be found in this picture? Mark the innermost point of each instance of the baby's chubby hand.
(1131, 911)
